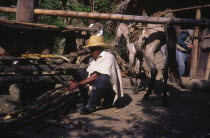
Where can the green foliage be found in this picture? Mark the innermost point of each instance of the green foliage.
(10, 16)
(108, 38)
(75, 7)
(50, 4)
(61, 5)
(58, 46)
(104, 6)
(8, 3)
(81, 8)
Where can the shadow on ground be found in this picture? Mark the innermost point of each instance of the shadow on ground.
(186, 116)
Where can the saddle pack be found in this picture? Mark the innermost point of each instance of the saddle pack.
(134, 30)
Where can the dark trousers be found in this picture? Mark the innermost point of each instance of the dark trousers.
(102, 88)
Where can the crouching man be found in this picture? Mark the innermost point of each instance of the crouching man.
(103, 74)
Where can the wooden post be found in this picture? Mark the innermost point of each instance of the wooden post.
(195, 49)
(25, 11)
(207, 74)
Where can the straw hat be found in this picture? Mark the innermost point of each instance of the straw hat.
(96, 41)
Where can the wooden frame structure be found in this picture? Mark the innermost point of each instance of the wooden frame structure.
(196, 54)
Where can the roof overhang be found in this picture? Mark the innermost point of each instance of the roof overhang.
(44, 27)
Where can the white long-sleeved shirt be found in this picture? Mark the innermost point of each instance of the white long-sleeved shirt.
(107, 64)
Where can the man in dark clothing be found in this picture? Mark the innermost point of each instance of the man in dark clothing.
(184, 47)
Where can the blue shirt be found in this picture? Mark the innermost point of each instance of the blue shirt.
(181, 39)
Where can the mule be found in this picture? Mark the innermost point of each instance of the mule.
(152, 39)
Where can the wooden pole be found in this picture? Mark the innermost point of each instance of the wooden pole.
(207, 74)
(109, 16)
(183, 9)
(25, 11)
(195, 49)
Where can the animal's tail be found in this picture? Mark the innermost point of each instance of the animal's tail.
(171, 60)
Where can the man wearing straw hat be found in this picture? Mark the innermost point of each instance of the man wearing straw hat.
(103, 74)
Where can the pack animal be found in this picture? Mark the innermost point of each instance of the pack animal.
(152, 38)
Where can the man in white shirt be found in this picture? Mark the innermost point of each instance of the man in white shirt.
(103, 74)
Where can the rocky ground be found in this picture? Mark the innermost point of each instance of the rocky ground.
(187, 116)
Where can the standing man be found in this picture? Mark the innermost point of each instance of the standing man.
(103, 74)
(184, 47)
(94, 24)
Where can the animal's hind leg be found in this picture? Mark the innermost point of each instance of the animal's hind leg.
(132, 56)
(137, 71)
(138, 67)
(165, 77)
(153, 71)
(165, 96)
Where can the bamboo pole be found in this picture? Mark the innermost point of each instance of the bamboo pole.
(190, 8)
(109, 16)
(183, 9)
(195, 49)
(207, 74)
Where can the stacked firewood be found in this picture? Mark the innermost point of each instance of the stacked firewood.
(52, 69)
(50, 105)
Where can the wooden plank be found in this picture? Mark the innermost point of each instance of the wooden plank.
(202, 64)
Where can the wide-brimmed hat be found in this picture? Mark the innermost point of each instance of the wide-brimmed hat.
(96, 41)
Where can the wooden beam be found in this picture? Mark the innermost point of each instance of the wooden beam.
(110, 16)
(207, 74)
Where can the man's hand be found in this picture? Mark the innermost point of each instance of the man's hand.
(84, 33)
(190, 46)
(73, 85)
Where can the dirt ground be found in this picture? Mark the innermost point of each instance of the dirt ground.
(187, 116)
